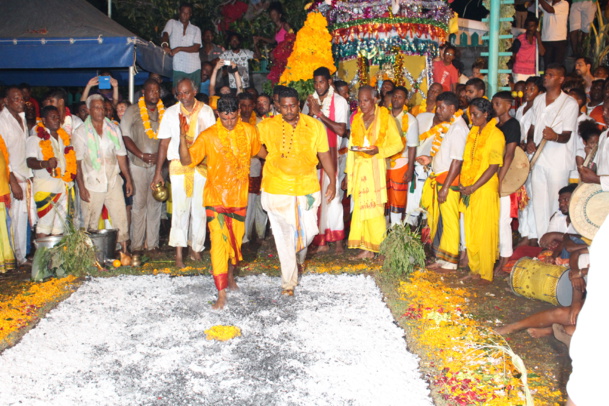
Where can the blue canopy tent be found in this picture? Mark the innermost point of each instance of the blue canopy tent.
(66, 42)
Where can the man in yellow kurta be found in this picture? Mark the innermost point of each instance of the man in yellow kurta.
(375, 136)
(290, 187)
(480, 189)
(228, 146)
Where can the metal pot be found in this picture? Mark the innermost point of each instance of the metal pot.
(160, 192)
(105, 243)
(47, 242)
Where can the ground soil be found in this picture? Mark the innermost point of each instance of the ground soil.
(543, 356)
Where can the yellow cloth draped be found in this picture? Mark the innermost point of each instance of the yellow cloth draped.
(7, 258)
(367, 181)
(175, 167)
(481, 209)
(226, 229)
(448, 249)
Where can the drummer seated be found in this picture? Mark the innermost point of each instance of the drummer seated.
(552, 243)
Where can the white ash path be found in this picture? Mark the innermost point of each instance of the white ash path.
(139, 340)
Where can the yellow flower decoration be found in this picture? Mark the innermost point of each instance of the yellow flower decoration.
(222, 333)
(309, 54)
(146, 118)
(47, 153)
(238, 159)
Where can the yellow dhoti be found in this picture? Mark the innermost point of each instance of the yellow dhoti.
(7, 258)
(226, 228)
(448, 249)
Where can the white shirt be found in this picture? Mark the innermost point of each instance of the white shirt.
(453, 146)
(104, 178)
(341, 112)
(412, 137)
(43, 181)
(187, 62)
(170, 127)
(425, 122)
(558, 223)
(602, 160)
(14, 137)
(561, 115)
(241, 59)
(525, 120)
(554, 26)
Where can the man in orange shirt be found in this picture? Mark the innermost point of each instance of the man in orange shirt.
(290, 187)
(228, 146)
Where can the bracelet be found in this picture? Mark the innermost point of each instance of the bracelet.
(164, 44)
(556, 137)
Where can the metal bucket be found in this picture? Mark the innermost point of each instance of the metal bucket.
(105, 243)
(47, 242)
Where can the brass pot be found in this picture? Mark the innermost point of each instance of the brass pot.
(160, 193)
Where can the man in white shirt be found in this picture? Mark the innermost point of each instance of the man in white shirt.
(332, 110)
(554, 30)
(441, 196)
(182, 40)
(555, 121)
(241, 58)
(13, 129)
(400, 167)
(188, 219)
(101, 157)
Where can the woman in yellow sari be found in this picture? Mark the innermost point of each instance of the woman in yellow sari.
(480, 190)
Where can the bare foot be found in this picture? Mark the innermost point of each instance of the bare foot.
(561, 334)
(435, 265)
(500, 265)
(473, 276)
(523, 242)
(365, 254)
(221, 302)
(503, 330)
(483, 282)
(232, 285)
(339, 248)
(179, 263)
(464, 260)
(319, 248)
(194, 255)
(540, 332)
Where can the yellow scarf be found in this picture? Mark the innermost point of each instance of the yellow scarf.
(175, 167)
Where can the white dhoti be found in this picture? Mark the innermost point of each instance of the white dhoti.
(294, 224)
(19, 222)
(505, 230)
(188, 219)
(526, 217)
(330, 223)
(413, 202)
(255, 218)
(545, 184)
(146, 211)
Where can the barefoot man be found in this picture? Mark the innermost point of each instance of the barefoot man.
(228, 146)
(290, 188)
(187, 183)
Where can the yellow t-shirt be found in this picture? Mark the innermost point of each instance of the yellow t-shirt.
(223, 186)
(291, 165)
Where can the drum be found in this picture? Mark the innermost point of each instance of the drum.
(538, 280)
(516, 174)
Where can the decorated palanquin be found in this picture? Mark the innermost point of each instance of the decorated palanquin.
(386, 39)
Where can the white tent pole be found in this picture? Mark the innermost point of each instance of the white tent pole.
(131, 83)
(109, 8)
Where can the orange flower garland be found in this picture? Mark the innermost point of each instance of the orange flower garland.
(47, 153)
(146, 118)
(4, 152)
(438, 132)
(240, 159)
(358, 130)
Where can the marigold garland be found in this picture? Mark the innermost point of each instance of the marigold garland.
(47, 153)
(4, 152)
(438, 132)
(239, 159)
(358, 129)
(146, 117)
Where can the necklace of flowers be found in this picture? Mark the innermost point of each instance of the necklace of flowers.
(358, 128)
(4, 152)
(438, 132)
(47, 153)
(146, 118)
(478, 136)
(239, 157)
